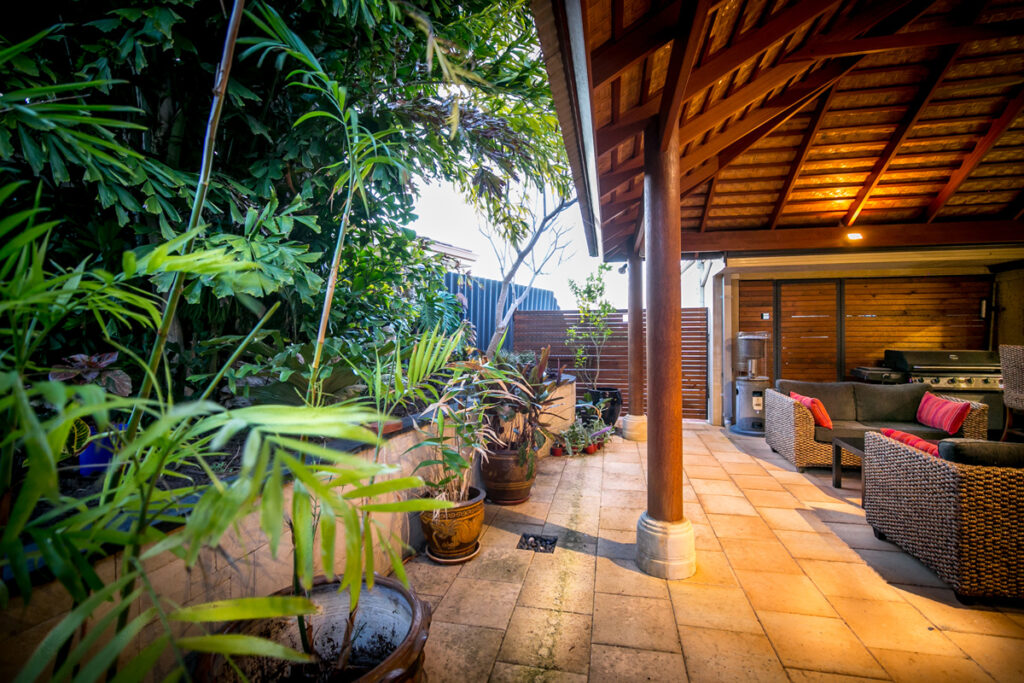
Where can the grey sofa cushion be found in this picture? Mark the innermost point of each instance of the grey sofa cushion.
(985, 453)
(837, 397)
(888, 402)
(840, 429)
(915, 428)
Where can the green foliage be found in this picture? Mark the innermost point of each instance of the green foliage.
(460, 429)
(516, 414)
(447, 90)
(318, 146)
(588, 337)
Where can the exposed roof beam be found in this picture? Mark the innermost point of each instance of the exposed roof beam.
(629, 124)
(914, 111)
(627, 170)
(643, 38)
(734, 103)
(801, 155)
(692, 19)
(822, 49)
(778, 27)
(636, 119)
(780, 74)
(707, 204)
(767, 118)
(894, 235)
(638, 233)
(1010, 112)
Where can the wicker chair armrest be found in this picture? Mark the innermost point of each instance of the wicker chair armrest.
(787, 413)
(976, 423)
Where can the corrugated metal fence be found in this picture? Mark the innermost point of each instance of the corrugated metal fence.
(482, 296)
(540, 328)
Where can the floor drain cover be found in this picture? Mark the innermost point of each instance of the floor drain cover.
(539, 544)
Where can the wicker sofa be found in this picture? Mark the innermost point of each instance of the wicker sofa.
(961, 514)
(855, 408)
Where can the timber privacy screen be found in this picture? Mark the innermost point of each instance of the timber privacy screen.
(537, 329)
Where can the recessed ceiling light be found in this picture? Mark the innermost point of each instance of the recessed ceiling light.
(854, 236)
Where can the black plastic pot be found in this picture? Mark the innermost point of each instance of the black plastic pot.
(610, 411)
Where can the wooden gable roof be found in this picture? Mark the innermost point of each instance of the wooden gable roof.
(803, 122)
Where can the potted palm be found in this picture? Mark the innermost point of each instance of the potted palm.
(515, 415)
(459, 433)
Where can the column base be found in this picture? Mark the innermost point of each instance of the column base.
(665, 549)
(634, 428)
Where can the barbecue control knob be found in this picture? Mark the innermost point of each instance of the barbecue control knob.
(935, 380)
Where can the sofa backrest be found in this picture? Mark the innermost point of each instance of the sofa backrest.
(888, 402)
(837, 397)
(984, 453)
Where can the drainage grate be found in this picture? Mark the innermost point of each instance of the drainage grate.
(538, 544)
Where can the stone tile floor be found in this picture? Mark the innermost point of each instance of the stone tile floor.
(791, 584)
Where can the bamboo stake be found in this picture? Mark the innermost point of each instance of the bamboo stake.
(220, 88)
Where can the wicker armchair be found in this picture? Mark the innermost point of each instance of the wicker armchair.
(789, 430)
(1011, 358)
(965, 522)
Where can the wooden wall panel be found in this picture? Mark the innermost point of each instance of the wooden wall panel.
(913, 313)
(878, 314)
(536, 329)
(757, 298)
(808, 330)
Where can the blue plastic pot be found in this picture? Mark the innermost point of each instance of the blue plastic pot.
(98, 454)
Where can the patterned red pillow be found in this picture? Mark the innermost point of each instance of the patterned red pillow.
(816, 407)
(913, 441)
(942, 414)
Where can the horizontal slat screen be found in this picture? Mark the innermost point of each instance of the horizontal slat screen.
(536, 329)
(904, 313)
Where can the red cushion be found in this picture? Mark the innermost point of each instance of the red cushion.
(946, 415)
(913, 441)
(816, 407)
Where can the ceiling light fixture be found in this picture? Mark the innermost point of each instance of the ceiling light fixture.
(854, 236)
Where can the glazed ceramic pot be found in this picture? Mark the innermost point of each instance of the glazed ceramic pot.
(507, 477)
(453, 535)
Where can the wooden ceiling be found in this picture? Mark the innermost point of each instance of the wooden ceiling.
(802, 121)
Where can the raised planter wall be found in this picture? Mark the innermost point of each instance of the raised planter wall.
(242, 566)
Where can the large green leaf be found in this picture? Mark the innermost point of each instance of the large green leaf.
(246, 608)
(236, 644)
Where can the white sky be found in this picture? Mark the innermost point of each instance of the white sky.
(444, 216)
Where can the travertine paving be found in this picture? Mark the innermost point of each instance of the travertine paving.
(791, 584)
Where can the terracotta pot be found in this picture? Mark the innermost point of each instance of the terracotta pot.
(391, 630)
(557, 450)
(507, 481)
(453, 534)
(590, 448)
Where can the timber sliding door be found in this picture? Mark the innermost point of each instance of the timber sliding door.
(808, 320)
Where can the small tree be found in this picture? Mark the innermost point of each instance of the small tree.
(588, 337)
(515, 253)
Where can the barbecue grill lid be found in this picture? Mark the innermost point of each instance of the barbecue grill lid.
(950, 360)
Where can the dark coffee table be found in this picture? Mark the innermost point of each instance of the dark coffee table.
(854, 445)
